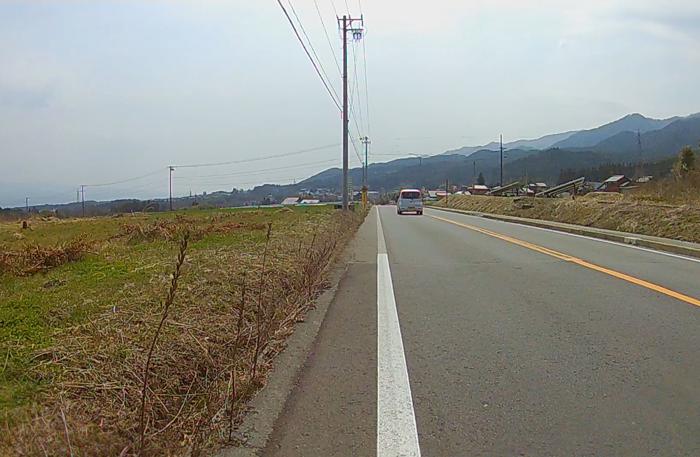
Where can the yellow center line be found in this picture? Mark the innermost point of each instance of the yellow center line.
(576, 260)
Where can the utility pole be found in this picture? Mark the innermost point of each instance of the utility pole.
(501, 183)
(26, 203)
(346, 26)
(365, 172)
(171, 168)
(527, 178)
(640, 160)
(82, 197)
(346, 119)
(365, 176)
(447, 192)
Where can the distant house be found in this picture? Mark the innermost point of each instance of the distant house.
(614, 184)
(478, 189)
(310, 201)
(537, 187)
(290, 201)
(435, 194)
(440, 194)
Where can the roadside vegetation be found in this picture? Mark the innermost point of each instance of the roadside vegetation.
(148, 334)
(668, 207)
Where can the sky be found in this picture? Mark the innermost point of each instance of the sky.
(98, 92)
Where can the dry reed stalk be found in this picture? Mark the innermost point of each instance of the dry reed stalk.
(258, 317)
(239, 325)
(65, 428)
(166, 309)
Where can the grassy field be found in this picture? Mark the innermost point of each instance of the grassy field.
(80, 302)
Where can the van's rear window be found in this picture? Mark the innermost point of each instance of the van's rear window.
(410, 195)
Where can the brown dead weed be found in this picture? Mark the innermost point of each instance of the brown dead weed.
(229, 307)
(170, 230)
(608, 211)
(33, 258)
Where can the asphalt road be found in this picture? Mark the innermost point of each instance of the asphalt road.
(484, 338)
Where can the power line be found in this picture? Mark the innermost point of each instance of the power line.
(354, 147)
(357, 85)
(242, 173)
(313, 50)
(334, 8)
(328, 38)
(364, 58)
(125, 180)
(353, 91)
(132, 189)
(275, 156)
(318, 72)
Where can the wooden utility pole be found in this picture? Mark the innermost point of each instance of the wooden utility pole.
(501, 183)
(82, 197)
(171, 168)
(447, 192)
(346, 118)
(365, 175)
(346, 26)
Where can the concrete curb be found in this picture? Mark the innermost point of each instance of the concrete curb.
(269, 402)
(651, 242)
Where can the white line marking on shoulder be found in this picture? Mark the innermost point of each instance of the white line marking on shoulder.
(397, 434)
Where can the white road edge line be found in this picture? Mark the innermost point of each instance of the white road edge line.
(600, 240)
(397, 434)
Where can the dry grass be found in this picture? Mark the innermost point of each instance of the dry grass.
(33, 258)
(169, 230)
(201, 373)
(627, 213)
(677, 190)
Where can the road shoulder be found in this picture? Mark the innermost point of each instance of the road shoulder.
(269, 404)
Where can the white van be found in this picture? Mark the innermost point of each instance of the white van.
(410, 200)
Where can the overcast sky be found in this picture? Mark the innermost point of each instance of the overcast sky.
(93, 92)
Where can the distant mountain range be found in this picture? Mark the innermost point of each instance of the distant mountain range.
(544, 142)
(542, 158)
(632, 123)
(612, 146)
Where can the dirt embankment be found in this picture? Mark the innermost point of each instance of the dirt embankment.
(607, 211)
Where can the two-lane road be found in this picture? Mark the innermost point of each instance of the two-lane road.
(506, 340)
